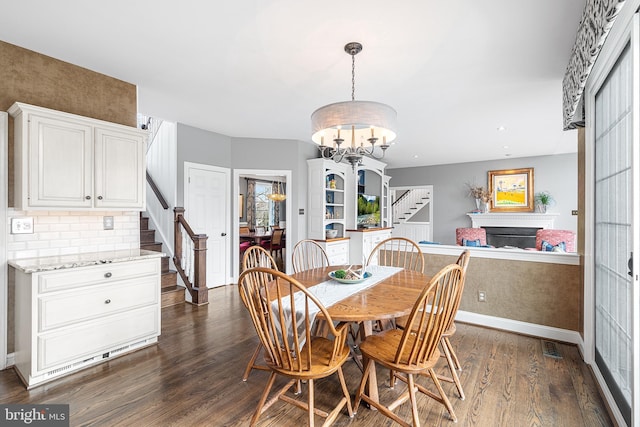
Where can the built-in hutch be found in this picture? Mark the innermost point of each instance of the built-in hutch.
(68, 162)
(333, 197)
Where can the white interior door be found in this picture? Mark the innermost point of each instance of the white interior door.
(615, 226)
(206, 200)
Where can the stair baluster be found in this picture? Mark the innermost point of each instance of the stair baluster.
(190, 258)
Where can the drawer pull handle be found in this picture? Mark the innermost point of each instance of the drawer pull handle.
(107, 275)
(108, 301)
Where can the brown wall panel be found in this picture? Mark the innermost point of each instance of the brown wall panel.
(30, 77)
(534, 292)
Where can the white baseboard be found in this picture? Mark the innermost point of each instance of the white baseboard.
(11, 360)
(548, 332)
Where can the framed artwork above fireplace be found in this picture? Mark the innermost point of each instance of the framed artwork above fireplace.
(511, 190)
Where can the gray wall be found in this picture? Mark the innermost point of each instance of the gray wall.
(557, 174)
(210, 148)
(200, 146)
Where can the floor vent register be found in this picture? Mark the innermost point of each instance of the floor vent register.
(550, 349)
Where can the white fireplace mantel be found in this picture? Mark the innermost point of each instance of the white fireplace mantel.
(501, 219)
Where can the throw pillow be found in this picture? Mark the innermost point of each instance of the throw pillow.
(466, 242)
(548, 247)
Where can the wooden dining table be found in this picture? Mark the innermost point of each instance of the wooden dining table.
(390, 298)
(256, 238)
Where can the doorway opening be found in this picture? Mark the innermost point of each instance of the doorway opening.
(257, 211)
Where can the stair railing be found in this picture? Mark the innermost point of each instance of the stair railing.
(157, 192)
(409, 203)
(190, 258)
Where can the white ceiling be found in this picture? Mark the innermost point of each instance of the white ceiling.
(455, 71)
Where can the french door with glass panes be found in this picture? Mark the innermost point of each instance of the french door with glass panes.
(612, 151)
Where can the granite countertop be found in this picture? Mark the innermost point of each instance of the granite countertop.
(35, 265)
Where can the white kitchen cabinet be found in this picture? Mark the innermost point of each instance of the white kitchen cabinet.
(71, 318)
(64, 161)
(363, 241)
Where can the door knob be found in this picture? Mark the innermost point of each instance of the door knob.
(87, 197)
(223, 234)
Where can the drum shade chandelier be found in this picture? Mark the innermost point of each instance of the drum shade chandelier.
(366, 124)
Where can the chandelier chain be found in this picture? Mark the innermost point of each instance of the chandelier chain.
(353, 77)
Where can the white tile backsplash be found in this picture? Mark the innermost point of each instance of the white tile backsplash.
(65, 232)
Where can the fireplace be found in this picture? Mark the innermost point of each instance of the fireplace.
(519, 237)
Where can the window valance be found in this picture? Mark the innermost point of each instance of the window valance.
(597, 19)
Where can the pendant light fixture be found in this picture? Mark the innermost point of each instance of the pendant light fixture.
(365, 124)
(279, 195)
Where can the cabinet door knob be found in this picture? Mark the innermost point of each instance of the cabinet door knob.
(108, 301)
(99, 197)
(107, 275)
(87, 197)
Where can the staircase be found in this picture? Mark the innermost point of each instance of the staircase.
(407, 205)
(170, 292)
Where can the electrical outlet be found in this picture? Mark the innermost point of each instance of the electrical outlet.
(107, 222)
(22, 225)
(482, 296)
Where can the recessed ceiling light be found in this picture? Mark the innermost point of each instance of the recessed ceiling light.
(501, 128)
(415, 156)
(506, 147)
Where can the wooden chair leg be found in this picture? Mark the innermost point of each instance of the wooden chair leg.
(414, 403)
(451, 365)
(251, 363)
(345, 390)
(363, 384)
(443, 397)
(263, 399)
(311, 408)
(453, 353)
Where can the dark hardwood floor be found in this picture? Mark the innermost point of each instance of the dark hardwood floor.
(192, 377)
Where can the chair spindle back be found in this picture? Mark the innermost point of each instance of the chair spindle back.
(432, 313)
(398, 252)
(308, 255)
(271, 297)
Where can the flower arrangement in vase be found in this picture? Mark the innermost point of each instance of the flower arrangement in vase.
(482, 196)
(543, 200)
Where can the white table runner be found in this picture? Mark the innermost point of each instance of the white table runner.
(330, 292)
